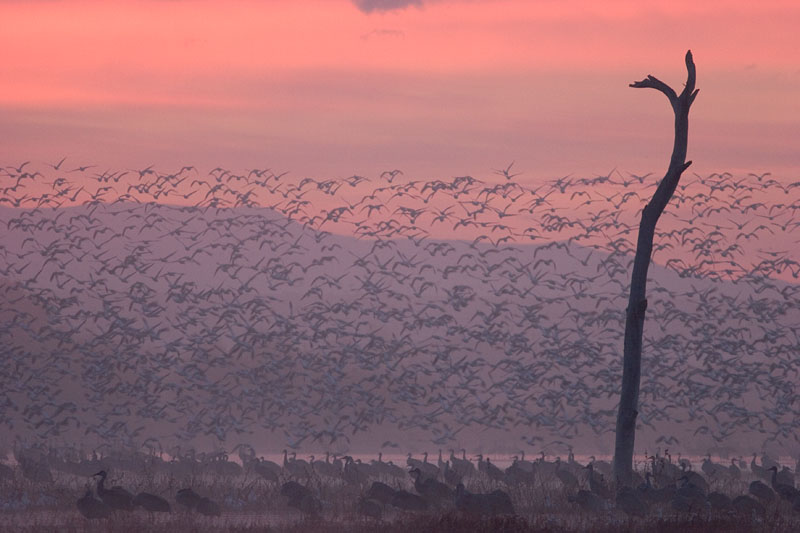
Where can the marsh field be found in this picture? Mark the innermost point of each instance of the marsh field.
(543, 499)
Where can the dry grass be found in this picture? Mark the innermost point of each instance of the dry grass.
(72, 522)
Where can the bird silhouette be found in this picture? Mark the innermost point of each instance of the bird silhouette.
(151, 502)
(116, 498)
(92, 508)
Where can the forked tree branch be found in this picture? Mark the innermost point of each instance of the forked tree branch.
(688, 94)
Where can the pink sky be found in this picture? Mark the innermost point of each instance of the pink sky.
(323, 88)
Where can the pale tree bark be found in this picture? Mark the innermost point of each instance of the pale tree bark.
(637, 302)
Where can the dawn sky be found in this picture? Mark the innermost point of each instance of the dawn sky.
(436, 88)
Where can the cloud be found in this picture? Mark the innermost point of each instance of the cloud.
(368, 6)
(398, 34)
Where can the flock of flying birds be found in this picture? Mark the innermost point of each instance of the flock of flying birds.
(139, 304)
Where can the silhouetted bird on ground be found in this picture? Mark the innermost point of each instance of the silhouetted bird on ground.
(301, 498)
(719, 501)
(749, 507)
(597, 483)
(370, 508)
(566, 477)
(152, 503)
(266, 471)
(588, 501)
(116, 497)
(194, 502)
(784, 490)
(187, 498)
(631, 502)
(491, 504)
(462, 466)
(380, 492)
(407, 501)
(757, 470)
(485, 466)
(761, 491)
(91, 507)
(208, 507)
(431, 489)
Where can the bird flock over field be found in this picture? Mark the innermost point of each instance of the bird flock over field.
(139, 304)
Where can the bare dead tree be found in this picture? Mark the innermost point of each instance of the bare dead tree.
(637, 302)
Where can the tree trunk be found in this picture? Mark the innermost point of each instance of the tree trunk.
(637, 302)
